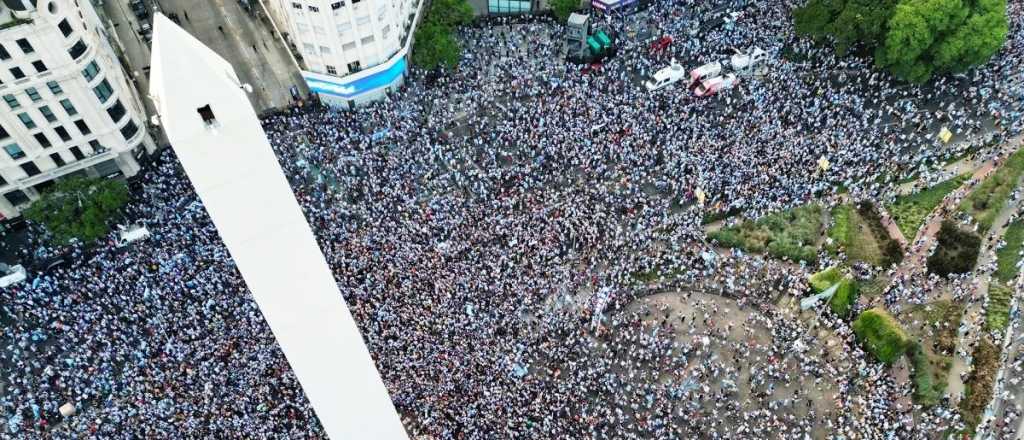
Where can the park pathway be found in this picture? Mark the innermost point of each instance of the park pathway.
(973, 321)
(920, 247)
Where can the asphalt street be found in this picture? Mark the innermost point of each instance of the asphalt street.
(245, 41)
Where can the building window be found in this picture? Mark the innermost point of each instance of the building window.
(96, 147)
(78, 50)
(12, 101)
(367, 40)
(63, 133)
(103, 91)
(55, 157)
(348, 47)
(39, 66)
(344, 28)
(16, 197)
(14, 151)
(302, 27)
(27, 120)
(65, 27)
(30, 168)
(362, 21)
(82, 127)
(54, 88)
(353, 66)
(314, 9)
(68, 107)
(325, 50)
(297, 5)
(309, 49)
(337, 5)
(384, 32)
(116, 111)
(45, 110)
(25, 46)
(91, 71)
(331, 70)
(319, 30)
(3, 133)
(4, 55)
(129, 130)
(17, 73)
(33, 94)
(43, 140)
(77, 152)
(508, 6)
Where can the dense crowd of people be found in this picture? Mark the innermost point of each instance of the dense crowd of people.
(488, 224)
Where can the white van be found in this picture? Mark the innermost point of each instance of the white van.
(666, 77)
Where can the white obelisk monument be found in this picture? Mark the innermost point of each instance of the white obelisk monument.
(220, 143)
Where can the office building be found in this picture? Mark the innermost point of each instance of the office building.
(351, 51)
(69, 108)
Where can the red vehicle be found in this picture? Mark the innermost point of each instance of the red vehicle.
(661, 43)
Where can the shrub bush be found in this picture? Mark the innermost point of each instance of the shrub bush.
(980, 384)
(789, 234)
(957, 251)
(881, 335)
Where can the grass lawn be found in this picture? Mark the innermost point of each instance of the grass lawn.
(1009, 255)
(791, 234)
(910, 210)
(997, 315)
(942, 318)
(851, 232)
(930, 376)
(874, 286)
(985, 202)
(839, 231)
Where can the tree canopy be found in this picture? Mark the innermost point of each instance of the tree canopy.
(914, 39)
(435, 44)
(79, 208)
(563, 8)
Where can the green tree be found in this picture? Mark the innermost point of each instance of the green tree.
(913, 39)
(435, 44)
(79, 208)
(563, 8)
(451, 13)
(846, 22)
